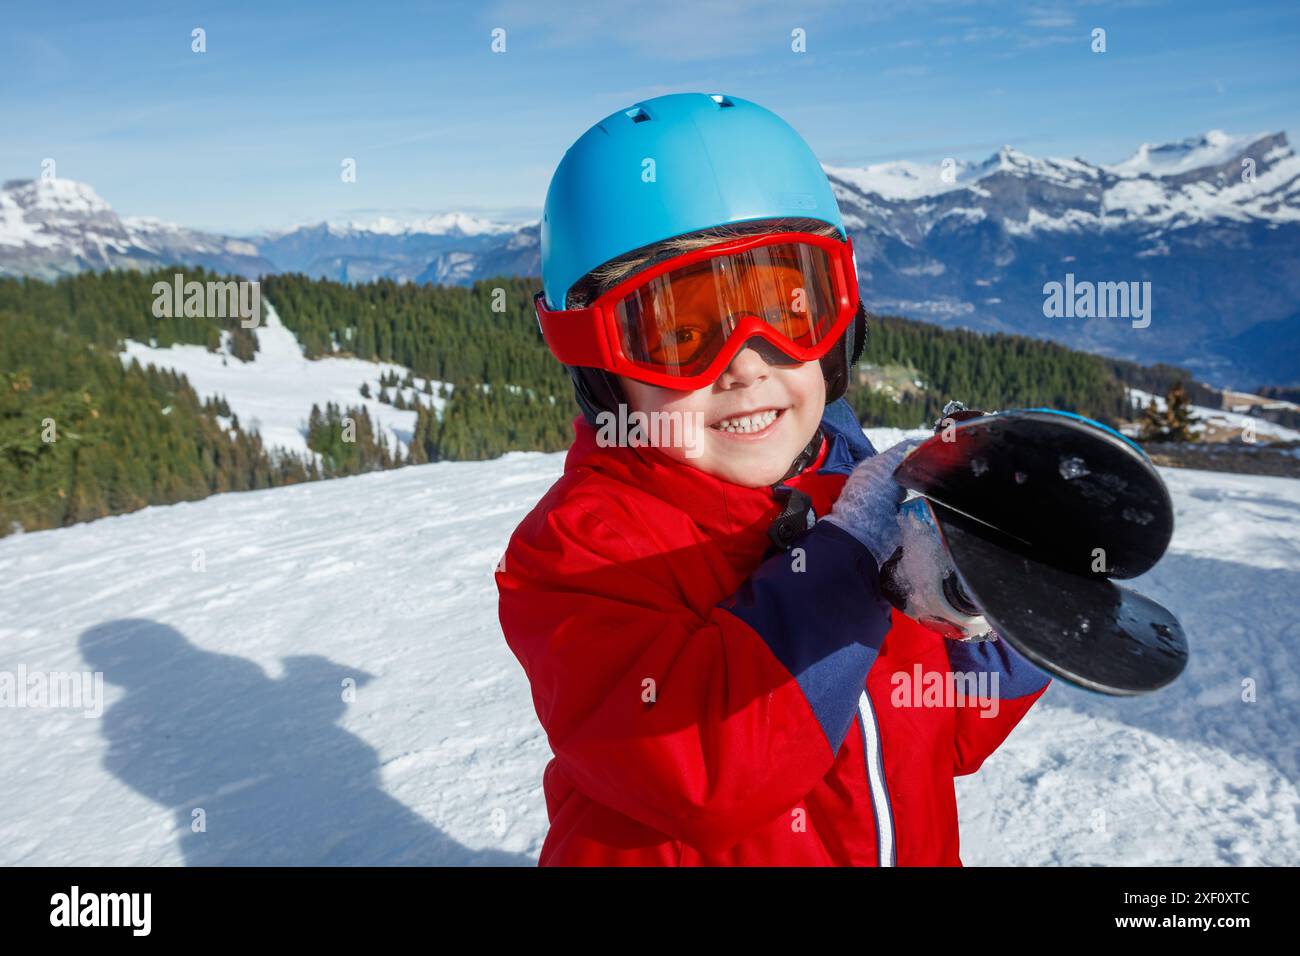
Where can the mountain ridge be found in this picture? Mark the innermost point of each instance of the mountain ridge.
(1211, 221)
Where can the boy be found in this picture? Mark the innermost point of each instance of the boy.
(702, 625)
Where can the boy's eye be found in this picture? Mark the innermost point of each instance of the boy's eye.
(679, 344)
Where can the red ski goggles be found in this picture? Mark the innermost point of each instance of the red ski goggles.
(680, 323)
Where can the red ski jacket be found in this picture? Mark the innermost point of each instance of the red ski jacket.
(713, 700)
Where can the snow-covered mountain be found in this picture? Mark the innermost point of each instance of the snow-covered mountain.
(225, 629)
(53, 227)
(1211, 222)
(450, 249)
(1193, 181)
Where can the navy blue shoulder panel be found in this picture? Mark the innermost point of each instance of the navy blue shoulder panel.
(848, 445)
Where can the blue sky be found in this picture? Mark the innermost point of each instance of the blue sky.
(251, 134)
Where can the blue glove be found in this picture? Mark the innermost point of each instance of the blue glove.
(867, 507)
(917, 577)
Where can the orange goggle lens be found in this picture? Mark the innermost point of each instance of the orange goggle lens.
(678, 322)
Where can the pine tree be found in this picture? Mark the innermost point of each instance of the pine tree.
(1174, 422)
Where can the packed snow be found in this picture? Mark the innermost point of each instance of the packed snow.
(225, 630)
(274, 392)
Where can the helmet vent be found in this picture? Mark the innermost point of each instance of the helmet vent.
(638, 115)
(721, 100)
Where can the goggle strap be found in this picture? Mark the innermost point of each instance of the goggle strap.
(574, 336)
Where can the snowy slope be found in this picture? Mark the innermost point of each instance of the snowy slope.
(223, 673)
(1192, 774)
(275, 391)
(1203, 415)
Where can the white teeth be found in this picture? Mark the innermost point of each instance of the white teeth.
(748, 423)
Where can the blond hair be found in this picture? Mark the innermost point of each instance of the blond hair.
(587, 289)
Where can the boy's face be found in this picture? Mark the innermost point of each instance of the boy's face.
(784, 404)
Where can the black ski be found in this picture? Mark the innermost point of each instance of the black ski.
(1039, 511)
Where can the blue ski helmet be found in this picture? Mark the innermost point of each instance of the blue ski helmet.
(674, 165)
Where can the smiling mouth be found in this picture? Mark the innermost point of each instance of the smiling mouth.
(749, 423)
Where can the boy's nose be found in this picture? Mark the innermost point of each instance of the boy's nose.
(753, 360)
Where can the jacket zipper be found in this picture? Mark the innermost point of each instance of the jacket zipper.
(886, 850)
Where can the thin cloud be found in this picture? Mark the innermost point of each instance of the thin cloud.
(906, 71)
(718, 28)
(1050, 18)
(1056, 39)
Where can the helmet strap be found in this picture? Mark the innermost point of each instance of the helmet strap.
(596, 391)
